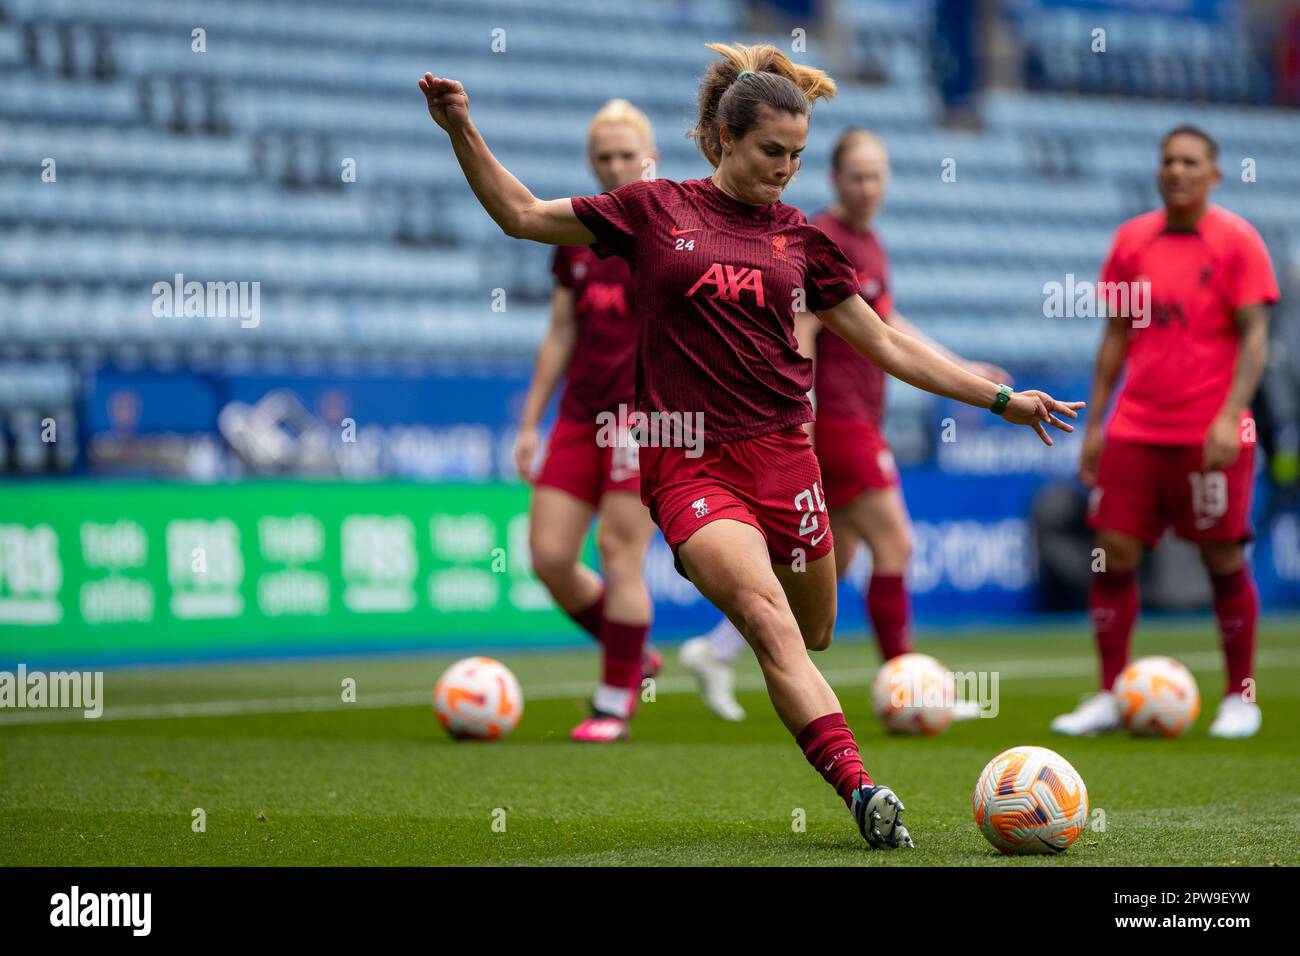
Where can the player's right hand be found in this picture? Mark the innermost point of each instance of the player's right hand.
(448, 102)
(526, 445)
(1093, 439)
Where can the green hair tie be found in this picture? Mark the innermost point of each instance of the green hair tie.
(745, 73)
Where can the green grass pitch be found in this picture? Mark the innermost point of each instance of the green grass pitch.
(287, 773)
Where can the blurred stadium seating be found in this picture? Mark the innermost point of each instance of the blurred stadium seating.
(228, 164)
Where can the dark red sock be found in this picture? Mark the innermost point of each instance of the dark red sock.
(1236, 605)
(890, 610)
(1113, 601)
(828, 744)
(622, 657)
(592, 618)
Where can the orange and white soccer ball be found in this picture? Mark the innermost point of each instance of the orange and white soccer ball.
(914, 694)
(1030, 800)
(1157, 696)
(478, 698)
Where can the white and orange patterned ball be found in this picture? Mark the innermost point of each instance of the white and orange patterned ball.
(1030, 800)
(478, 698)
(914, 694)
(1157, 696)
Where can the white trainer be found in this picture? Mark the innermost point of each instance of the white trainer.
(716, 678)
(1237, 718)
(1096, 715)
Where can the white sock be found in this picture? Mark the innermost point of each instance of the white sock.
(615, 701)
(725, 641)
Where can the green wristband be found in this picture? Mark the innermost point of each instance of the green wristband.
(1000, 403)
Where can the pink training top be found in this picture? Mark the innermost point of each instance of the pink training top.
(1180, 366)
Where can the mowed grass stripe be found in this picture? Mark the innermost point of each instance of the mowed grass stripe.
(745, 682)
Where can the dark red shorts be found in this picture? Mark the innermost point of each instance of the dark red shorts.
(772, 482)
(1142, 489)
(854, 458)
(577, 464)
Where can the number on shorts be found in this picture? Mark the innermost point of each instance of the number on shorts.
(1209, 494)
(812, 499)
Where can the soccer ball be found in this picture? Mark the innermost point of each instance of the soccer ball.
(1030, 800)
(914, 694)
(1157, 695)
(478, 698)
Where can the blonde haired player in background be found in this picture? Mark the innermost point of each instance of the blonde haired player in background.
(591, 342)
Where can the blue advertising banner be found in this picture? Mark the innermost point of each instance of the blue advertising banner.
(444, 427)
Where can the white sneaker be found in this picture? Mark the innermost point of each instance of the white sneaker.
(1096, 715)
(966, 710)
(717, 680)
(1237, 718)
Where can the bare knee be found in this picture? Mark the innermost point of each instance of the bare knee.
(553, 565)
(621, 553)
(892, 553)
(757, 615)
(767, 624)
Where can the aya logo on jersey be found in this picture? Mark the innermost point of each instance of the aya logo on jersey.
(728, 282)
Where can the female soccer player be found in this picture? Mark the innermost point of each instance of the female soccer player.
(592, 338)
(860, 482)
(719, 266)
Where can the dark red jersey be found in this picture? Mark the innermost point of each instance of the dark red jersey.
(848, 385)
(602, 370)
(716, 283)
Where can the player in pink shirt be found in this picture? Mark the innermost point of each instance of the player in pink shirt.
(1188, 289)
(592, 343)
(863, 496)
(719, 268)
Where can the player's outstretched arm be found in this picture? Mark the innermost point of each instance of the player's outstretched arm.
(519, 213)
(982, 369)
(917, 364)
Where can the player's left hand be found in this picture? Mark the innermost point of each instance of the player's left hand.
(1222, 443)
(1035, 408)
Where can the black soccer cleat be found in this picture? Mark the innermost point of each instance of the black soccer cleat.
(878, 812)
